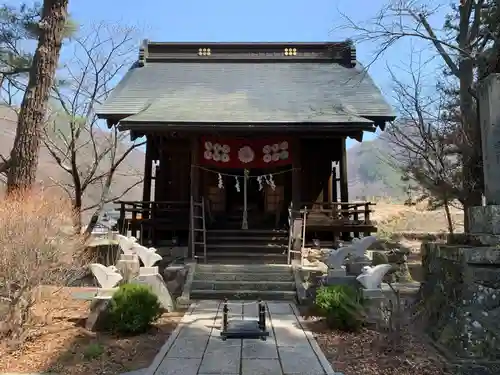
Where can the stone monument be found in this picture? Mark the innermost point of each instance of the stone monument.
(150, 275)
(128, 263)
(371, 277)
(107, 278)
(357, 258)
(335, 261)
(462, 287)
(484, 221)
(371, 280)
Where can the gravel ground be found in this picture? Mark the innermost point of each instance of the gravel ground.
(367, 353)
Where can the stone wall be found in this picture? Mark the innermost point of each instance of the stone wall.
(461, 299)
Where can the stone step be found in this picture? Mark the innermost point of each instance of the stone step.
(247, 232)
(243, 285)
(258, 238)
(243, 276)
(268, 295)
(247, 246)
(244, 268)
(216, 256)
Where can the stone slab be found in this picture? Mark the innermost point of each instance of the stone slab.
(489, 113)
(97, 309)
(277, 308)
(259, 349)
(314, 345)
(288, 336)
(173, 366)
(196, 331)
(299, 360)
(222, 359)
(290, 352)
(261, 367)
(336, 272)
(188, 347)
(484, 219)
(344, 280)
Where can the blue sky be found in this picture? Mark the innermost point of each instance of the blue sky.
(245, 21)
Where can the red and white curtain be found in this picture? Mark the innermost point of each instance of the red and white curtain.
(234, 153)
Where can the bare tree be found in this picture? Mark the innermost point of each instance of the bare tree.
(24, 155)
(89, 154)
(468, 41)
(423, 142)
(31, 258)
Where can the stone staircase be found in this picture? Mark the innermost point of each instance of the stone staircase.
(247, 246)
(243, 281)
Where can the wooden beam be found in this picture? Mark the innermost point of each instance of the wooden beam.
(344, 187)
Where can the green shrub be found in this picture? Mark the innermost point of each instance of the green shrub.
(133, 308)
(342, 306)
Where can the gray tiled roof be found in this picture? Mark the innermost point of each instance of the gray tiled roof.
(292, 92)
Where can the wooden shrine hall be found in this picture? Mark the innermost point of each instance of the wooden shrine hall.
(245, 141)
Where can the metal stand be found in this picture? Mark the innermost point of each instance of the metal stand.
(244, 224)
(244, 329)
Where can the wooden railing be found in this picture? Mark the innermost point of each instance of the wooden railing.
(356, 212)
(146, 217)
(339, 217)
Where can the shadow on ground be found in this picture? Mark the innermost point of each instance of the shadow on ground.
(104, 353)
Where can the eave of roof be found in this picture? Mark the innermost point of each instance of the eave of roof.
(171, 79)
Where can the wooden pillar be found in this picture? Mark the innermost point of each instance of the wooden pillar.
(296, 173)
(194, 191)
(160, 178)
(344, 188)
(195, 172)
(331, 182)
(335, 180)
(148, 169)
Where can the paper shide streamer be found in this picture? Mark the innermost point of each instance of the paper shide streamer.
(220, 182)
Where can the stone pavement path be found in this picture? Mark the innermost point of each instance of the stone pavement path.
(196, 347)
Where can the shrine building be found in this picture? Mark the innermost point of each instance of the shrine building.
(246, 141)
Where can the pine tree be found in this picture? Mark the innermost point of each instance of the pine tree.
(24, 155)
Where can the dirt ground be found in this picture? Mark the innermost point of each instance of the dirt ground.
(367, 353)
(398, 218)
(406, 227)
(59, 343)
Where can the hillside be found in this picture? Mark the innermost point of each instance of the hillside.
(49, 173)
(369, 174)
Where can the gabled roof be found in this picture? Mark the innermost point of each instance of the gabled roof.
(247, 84)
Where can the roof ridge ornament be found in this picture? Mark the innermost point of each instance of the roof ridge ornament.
(352, 47)
(143, 53)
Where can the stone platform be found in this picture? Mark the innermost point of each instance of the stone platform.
(196, 347)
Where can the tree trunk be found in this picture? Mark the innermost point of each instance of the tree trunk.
(77, 208)
(472, 159)
(449, 219)
(24, 154)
